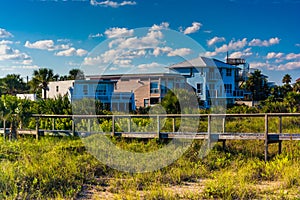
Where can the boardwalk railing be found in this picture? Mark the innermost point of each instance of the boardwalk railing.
(157, 131)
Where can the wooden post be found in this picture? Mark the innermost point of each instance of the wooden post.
(37, 124)
(224, 145)
(89, 125)
(209, 131)
(158, 126)
(53, 123)
(113, 126)
(174, 125)
(73, 126)
(266, 137)
(280, 131)
(224, 124)
(129, 125)
(4, 129)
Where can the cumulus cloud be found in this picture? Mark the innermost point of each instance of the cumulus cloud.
(233, 45)
(8, 53)
(289, 66)
(292, 56)
(149, 66)
(163, 25)
(215, 40)
(118, 32)
(5, 34)
(25, 67)
(112, 4)
(46, 45)
(192, 29)
(180, 52)
(273, 55)
(72, 52)
(2, 42)
(264, 43)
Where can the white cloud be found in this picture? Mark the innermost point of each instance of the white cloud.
(122, 62)
(297, 45)
(5, 34)
(26, 67)
(118, 32)
(2, 42)
(161, 50)
(192, 29)
(98, 35)
(8, 53)
(112, 4)
(46, 45)
(149, 66)
(264, 43)
(72, 52)
(292, 56)
(163, 25)
(233, 45)
(215, 40)
(208, 54)
(289, 66)
(272, 55)
(180, 52)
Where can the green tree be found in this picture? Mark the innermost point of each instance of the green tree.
(257, 85)
(287, 79)
(76, 74)
(12, 84)
(41, 78)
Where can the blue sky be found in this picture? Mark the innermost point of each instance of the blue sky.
(62, 34)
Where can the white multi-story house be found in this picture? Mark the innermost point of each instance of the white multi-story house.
(213, 80)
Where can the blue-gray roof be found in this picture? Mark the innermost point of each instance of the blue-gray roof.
(202, 62)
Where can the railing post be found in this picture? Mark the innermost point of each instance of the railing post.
(113, 126)
(173, 124)
(89, 125)
(209, 131)
(158, 126)
(266, 137)
(73, 126)
(129, 124)
(37, 124)
(4, 129)
(53, 123)
(224, 124)
(280, 131)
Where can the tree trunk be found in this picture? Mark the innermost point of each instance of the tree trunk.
(45, 93)
(13, 129)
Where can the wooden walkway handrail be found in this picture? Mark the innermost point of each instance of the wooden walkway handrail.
(170, 115)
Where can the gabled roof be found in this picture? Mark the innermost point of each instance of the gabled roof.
(202, 62)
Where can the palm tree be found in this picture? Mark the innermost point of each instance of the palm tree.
(287, 79)
(41, 78)
(12, 84)
(257, 85)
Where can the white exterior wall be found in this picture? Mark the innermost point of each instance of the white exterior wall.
(63, 88)
(31, 97)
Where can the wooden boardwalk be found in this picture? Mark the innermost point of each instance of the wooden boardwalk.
(266, 136)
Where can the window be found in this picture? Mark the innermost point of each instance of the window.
(101, 90)
(146, 103)
(199, 88)
(228, 72)
(57, 88)
(154, 88)
(228, 88)
(85, 89)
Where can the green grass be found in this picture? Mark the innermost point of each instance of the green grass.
(53, 168)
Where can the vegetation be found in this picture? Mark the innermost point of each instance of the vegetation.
(63, 168)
